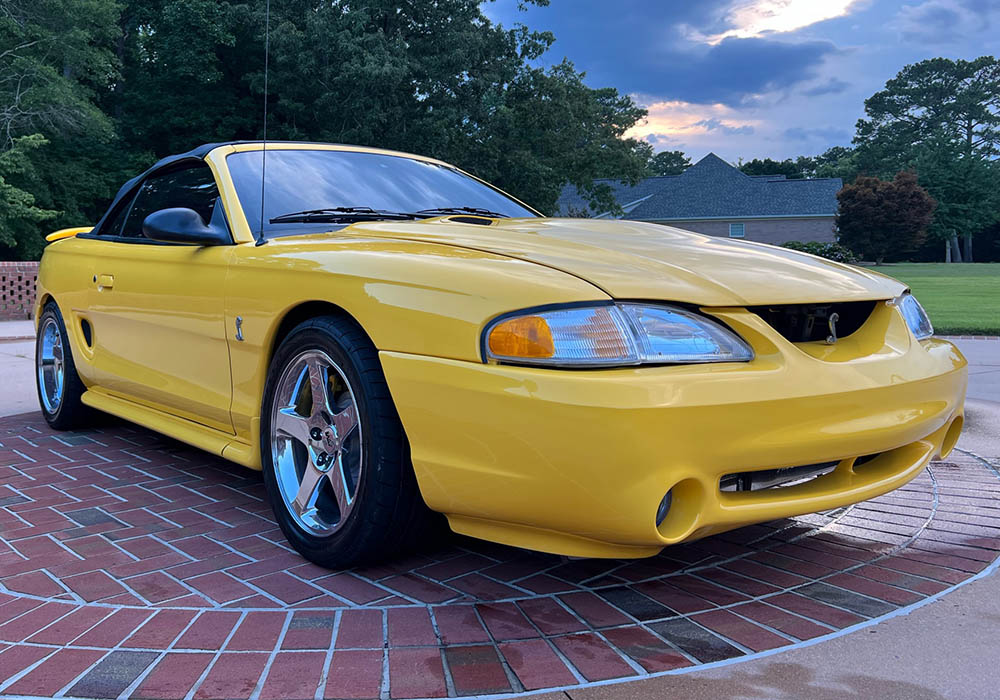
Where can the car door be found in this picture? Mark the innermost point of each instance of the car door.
(157, 309)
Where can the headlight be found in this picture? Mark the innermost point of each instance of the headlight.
(916, 317)
(612, 335)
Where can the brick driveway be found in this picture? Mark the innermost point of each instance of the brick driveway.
(133, 566)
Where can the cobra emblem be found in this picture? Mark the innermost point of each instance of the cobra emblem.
(832, 322)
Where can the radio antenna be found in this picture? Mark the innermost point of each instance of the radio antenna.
(263, 153)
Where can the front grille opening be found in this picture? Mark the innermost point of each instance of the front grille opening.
(803, 323)
(774, 478)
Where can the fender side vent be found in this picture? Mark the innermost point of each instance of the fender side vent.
(88, 332)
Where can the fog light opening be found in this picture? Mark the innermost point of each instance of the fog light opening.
(664, 508)
(678, 511)
(951, 437)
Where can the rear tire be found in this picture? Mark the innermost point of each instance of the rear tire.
(337, 465)
(59, 386)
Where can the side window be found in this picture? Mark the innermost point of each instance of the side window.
(114, 225)
(193, 188)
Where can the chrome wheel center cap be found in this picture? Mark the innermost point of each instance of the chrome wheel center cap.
(330, 441)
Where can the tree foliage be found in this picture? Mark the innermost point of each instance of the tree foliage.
(19, 213)
(791, 169)
(115, 85)
(884, 219)
(941, 118)
(669, 163)
(831, 251)
(56, 59)
(836, 161)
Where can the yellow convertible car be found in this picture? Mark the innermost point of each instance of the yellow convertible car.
(388, 337)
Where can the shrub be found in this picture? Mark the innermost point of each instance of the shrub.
(830, 251)
(884, 220)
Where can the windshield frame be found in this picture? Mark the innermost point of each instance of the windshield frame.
(273, 230)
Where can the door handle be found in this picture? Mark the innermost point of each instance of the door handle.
(105, 282)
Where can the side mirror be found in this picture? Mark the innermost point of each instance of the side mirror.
(181, 225)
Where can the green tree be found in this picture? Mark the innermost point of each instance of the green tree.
(837, 161)
(434, 78)
(19, 213)
(967, 190)
(942, 118)
(669, 163)
(55, 61)
(112, 85)
(792, 169)
(880, 219)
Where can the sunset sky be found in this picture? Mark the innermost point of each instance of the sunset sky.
(754, 78)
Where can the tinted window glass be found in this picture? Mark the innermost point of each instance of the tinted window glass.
(298, 180)
(114, 225)
(193, 188)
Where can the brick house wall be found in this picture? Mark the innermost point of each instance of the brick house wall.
(773, 231)
(17, 289)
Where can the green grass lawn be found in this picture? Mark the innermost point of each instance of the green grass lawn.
(960, 298)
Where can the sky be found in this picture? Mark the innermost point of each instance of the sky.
(753, 78)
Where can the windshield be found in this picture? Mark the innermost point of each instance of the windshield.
(306, 180)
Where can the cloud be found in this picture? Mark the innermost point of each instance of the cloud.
(946, 21)
(830, 87)
(736, 71)
(662, 141)
(714, 124)
(758, 18)
(827, 134)
(661, 48)
(675, 123)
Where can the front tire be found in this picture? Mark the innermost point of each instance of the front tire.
(335, 458)
(59, 386)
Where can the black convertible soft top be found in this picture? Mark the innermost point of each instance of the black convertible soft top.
(194, 155)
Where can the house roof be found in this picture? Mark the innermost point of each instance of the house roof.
(712, 188)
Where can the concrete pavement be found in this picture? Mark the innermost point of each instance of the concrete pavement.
(17, 383)
(984, 367)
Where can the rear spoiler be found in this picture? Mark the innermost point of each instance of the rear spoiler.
(68, 233)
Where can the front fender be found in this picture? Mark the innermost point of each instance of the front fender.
(410, 297)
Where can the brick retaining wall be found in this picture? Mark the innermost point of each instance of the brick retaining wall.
(17, 289)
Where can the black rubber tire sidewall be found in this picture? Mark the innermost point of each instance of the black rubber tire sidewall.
(387, 490)
(71, 412)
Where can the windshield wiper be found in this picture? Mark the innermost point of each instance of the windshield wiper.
(343, 215)
(464, 210)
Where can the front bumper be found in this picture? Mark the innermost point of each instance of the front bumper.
(577, 462)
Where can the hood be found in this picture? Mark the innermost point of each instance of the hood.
(634, 260)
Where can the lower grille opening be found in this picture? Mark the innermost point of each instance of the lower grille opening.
(774, 478)
(865, 459)
(803, 323)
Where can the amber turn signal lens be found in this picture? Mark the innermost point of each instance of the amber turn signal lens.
(525, 336)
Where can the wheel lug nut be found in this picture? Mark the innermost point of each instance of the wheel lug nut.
(315, 433)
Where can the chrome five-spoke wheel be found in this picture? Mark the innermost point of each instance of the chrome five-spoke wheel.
(335, 458)
(51, 367)
(316, 445)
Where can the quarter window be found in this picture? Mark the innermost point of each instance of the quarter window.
(737, 230)
(192, 188)
(114, 225)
